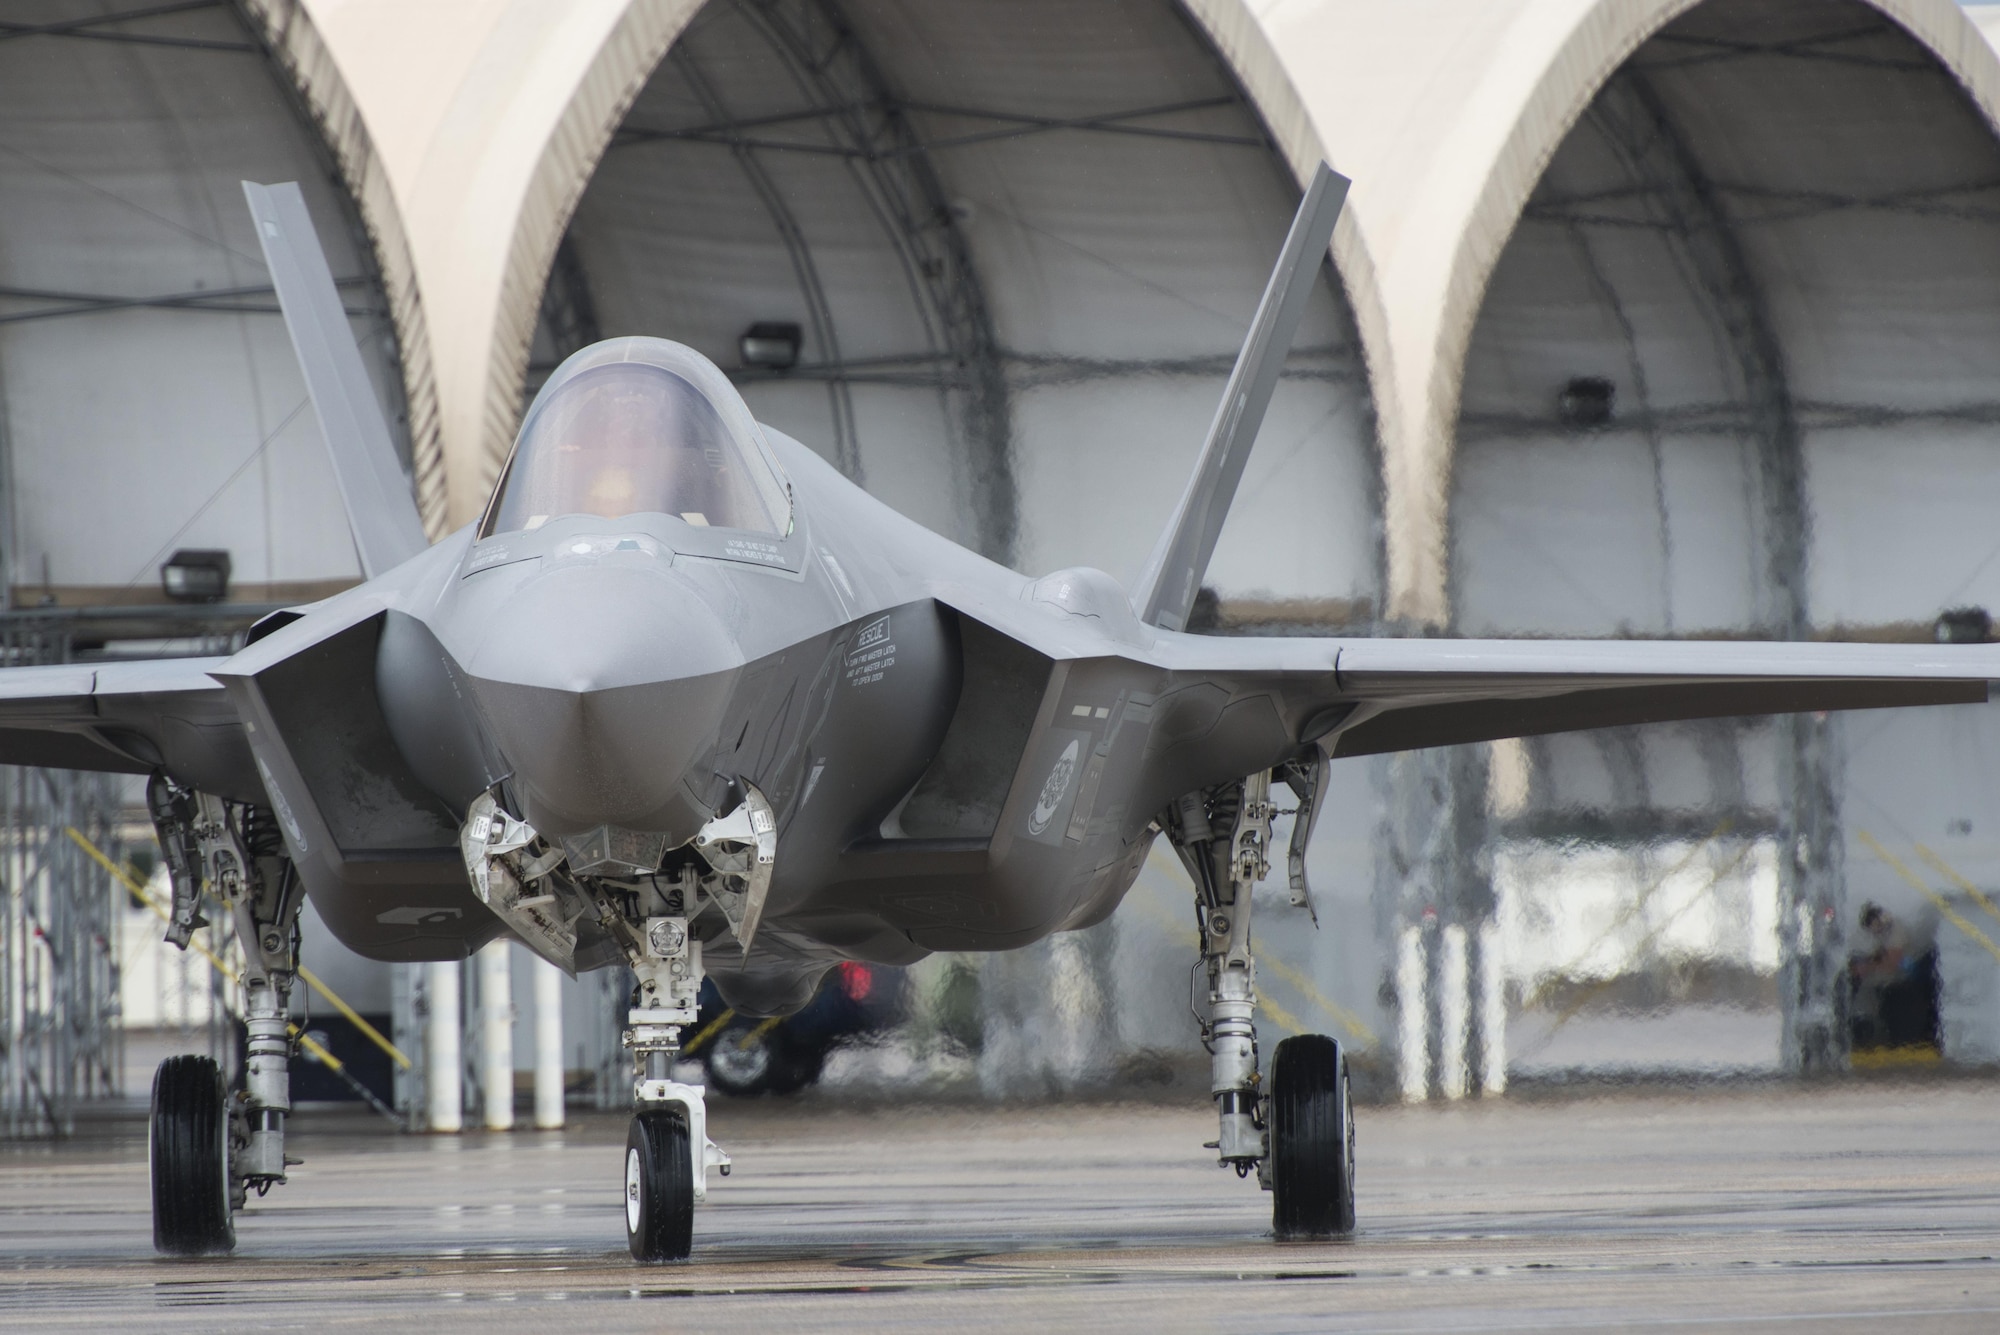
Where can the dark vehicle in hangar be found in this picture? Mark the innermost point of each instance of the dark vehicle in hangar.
(745, 1056)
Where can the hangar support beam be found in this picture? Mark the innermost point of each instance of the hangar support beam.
(1015, 125)
(98, 28)
(1824, 47)
(1593, 209)
(832, 65)
(856, 115)
(846, 449)
(1681, 198)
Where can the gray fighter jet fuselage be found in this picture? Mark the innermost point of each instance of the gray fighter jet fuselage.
(956, 757)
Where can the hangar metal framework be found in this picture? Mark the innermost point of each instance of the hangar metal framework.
(986, 226)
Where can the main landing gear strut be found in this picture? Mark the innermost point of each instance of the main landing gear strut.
(1297, 1135)
(210, 1149)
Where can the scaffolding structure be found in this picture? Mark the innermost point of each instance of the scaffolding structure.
(59, 1033)
(58, 965)
(61, 1040)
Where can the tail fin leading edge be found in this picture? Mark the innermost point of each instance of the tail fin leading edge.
(1165, 592)
(381, 510)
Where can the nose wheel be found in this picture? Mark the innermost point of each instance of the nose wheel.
(1311, 1112)
(659, 1187)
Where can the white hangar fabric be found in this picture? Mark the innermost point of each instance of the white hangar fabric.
(1102, 210)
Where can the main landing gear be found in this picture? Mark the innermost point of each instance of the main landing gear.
(1297, 1136)
(211, 1149)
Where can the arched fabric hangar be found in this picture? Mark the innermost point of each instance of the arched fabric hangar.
(152, 401)
(1734, 370)
(1019, 246)
(1732, 375)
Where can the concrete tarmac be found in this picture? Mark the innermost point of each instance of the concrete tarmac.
(1858, 1206)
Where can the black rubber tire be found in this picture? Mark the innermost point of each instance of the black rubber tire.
(1312, 1139)
(189, 1155)
(659, 1187)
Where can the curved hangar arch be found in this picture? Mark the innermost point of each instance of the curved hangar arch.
(1734, 370)
(1446, 139)
(1000, 257)
(151, 396)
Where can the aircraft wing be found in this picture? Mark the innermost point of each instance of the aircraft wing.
(1370, 696)
(123, 718)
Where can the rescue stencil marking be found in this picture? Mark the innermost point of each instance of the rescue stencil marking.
(873, 655)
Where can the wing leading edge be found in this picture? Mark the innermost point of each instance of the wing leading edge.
(1363, 697)
(126, 718)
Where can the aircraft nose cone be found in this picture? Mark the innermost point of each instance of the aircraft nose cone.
(603, 686)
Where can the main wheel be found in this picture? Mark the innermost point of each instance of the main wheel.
(189, 1153)
(1312, 1139)
(659, 1187)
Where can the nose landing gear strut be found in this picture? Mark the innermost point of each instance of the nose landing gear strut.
(667, 1149)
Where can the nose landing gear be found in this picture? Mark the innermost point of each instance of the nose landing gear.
(541, 889)
(667, 1149)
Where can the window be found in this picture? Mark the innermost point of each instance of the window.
(627, 437)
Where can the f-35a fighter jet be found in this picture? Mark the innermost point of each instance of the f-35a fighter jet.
(688, 701)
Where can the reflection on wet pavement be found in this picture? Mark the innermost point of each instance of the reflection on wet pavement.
(1848, 1203)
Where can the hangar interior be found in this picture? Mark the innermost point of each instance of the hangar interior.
(145, 371)
(149, 402)
(1021, 244)
(1730, 377)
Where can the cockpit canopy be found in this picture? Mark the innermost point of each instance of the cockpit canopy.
(640, 426)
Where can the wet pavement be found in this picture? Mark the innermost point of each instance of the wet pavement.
(1858, 1206)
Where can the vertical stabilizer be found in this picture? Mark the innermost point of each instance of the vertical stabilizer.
(381, 509)
(1165, 591)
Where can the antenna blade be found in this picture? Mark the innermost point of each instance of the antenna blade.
(1165, 592)
(381, 509)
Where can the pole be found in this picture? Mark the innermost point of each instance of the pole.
(443, 1095)
(548, 1046)
(496, 1033)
